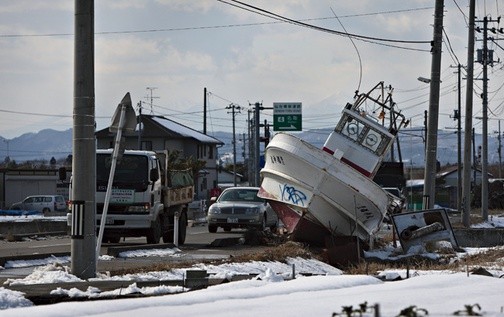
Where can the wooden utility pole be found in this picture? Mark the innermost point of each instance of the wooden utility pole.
(466, 196)
(234, 108)
(431, 152)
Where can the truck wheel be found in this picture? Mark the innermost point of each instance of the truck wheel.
(182, 228)
(154, 233)
(167, 233)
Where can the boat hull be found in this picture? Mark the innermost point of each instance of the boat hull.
(313, 189)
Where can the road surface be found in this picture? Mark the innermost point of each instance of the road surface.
(199, 245)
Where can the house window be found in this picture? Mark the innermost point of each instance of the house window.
(204, 184)
(146, 145)
(210, 152)
(201, 151)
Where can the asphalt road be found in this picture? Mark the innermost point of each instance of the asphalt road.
(199, 245)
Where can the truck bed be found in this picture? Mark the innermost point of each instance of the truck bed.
(178, 196)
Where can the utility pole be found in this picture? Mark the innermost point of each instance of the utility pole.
(266, 137)
(484, 141)
(257, 143)
(459, 141)
(83, 230)
(431, 152)
(204, 110)
(457, 116)
(140, 125)
(499, 152)
(485, 57)
(244, 147)
(233, 108)
(466, 196)
(251, 154)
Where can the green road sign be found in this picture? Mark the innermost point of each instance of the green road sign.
(287, 116)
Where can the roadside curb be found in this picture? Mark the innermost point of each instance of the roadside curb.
(30, 257)
(11, 229)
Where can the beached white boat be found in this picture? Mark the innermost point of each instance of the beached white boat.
(330, 192)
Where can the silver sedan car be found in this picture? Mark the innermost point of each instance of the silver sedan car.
(239, 207)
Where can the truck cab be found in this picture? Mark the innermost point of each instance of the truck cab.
(143, 200)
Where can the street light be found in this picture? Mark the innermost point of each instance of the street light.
(424, 80)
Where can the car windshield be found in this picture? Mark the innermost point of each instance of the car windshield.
(240, 194)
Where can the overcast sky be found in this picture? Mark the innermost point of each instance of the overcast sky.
(179, 47)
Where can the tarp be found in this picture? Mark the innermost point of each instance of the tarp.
(181, 178)
(19, 212)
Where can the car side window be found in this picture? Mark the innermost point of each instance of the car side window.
(47, 199)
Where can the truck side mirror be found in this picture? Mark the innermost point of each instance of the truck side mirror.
(154, 175)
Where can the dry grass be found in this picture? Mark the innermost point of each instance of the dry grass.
(273, 253)
(282, 250)
(492, 258)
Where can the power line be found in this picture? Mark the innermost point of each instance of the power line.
(196, 28)
(45, 114)
(275, 16)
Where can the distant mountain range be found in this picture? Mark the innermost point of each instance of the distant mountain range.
(50, 143)
(44, 145)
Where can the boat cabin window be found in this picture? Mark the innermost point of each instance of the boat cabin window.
(352, 129)
(363, 134)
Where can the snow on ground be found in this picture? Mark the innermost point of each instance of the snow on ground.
(30, 217)
(440, 294)
(272, 291)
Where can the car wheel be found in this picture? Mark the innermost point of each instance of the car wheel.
(227, 229)
(212, 228)
(46, 210)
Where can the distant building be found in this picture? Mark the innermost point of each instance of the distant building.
(446, 188)
(159, 133)
(17, 184)
(226, 179)
(450, 176)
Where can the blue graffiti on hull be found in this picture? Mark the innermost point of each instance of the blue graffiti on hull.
(291, 194)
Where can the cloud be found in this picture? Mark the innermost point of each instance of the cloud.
(126, 4)
(24, 6)
(201, 6)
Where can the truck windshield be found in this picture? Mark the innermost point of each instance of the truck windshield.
(132, 169)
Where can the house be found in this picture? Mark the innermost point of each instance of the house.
(446, 187)
(449, 176)
(158, 133)
(226, 179)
